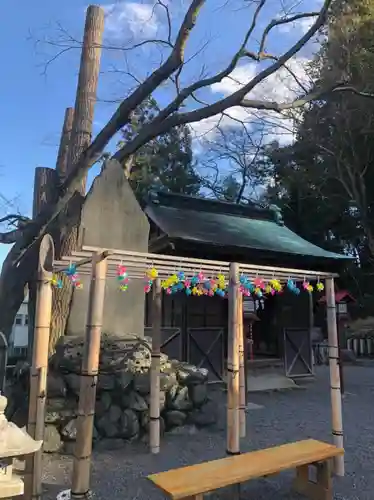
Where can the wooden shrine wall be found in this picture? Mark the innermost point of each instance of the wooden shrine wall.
(194, 330)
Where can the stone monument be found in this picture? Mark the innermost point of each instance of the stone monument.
(14, 442)
(111, 217)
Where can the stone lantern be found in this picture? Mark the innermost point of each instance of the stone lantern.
(14, 442)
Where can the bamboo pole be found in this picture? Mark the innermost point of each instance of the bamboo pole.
(89, 372)
(242, 384)
(336, 398)
(154, 408)
(167, 264)
(233, 427)
(39, 367)
(215, 264)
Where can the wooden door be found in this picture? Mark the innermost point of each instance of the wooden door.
(205, 349)
(171, 341)
(298, 358)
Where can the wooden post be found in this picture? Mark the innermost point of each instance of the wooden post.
(341, 370)
(242, 384)
(233, 427)
(154, 407)
(246, 368)
(63, 150)
(87, 87)
(336, 398)
(39, 367)
(251, 340)
(89, 372)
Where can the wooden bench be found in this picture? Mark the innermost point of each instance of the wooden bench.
(193, 481)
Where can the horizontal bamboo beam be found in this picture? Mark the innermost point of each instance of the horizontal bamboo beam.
(182, 261)
(139, 269)
(88, 260)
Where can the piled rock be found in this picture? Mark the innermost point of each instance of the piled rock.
(123, 393)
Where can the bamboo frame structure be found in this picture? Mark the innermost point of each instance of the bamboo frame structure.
(89, 373)
(233, 424)
(137, 264)
(336, 397)
(39, 367)
(242, 374)
(154, 408)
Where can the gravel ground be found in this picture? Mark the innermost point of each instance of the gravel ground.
(285, 417)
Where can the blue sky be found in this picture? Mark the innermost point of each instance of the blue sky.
(33, 103)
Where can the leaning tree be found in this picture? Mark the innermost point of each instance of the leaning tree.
(57, 210)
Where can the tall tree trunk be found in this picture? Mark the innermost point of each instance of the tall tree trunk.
(80, 138)
(63, 150)
(45, 193)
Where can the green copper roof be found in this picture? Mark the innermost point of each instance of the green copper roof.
(225, 224)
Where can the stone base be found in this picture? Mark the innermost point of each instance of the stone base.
(269, 381)
(11, 488)
(123, 394)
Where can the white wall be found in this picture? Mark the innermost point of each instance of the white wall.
(19, 335)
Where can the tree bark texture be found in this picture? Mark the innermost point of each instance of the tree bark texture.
(80, 139)
(13, 285)
(87, 86)
(63, 150)
(45, 193)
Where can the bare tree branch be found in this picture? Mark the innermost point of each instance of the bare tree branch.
(14, 220)
(119, 119)
(170, 116)
(10, 237)
(164, 121)
(283, 20)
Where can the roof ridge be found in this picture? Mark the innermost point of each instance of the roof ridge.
(198, 203)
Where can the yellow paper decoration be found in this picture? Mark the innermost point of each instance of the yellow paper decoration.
(268, 289)
(276, 285)
(152, 273)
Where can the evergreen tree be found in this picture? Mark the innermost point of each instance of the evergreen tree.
(325, 180)
(166, 162)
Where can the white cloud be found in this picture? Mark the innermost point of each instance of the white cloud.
(280, 87)
(302, 25)
(137, 18)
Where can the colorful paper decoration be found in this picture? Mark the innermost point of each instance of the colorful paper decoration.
(291, 285)
(151, 275)
(259, 283)
(246, 285)
(122, 278)
(199, 284)
(56, 281)
(307, 286)
(71, 273)
(275, 285)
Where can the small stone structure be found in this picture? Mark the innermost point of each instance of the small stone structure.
(14, 442)
(123, 394)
